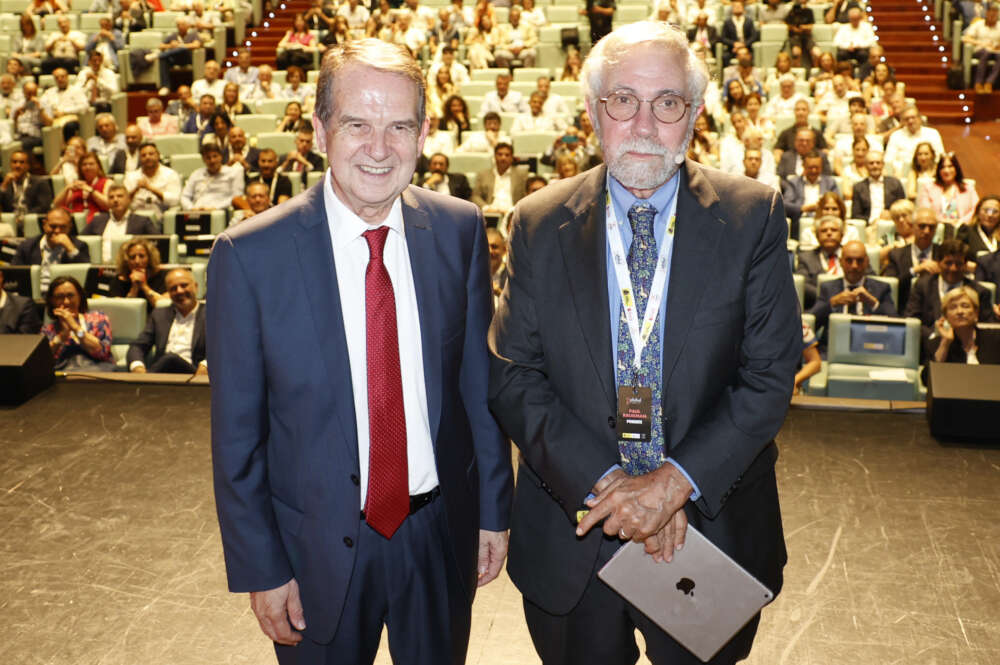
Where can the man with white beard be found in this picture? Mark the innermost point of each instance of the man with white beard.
(710, 369)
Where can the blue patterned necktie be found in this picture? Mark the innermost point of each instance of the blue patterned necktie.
(642, 456)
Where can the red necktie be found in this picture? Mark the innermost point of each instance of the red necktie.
(388, 501)
(831, 264)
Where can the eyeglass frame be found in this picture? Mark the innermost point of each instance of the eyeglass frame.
(604, 101)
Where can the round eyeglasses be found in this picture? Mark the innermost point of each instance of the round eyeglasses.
(668, 108)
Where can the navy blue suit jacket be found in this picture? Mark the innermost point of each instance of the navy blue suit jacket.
(882, 291)
(284, 436)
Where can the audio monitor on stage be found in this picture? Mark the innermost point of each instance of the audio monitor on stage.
(26, 367)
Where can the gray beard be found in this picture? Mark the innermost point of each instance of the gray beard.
(637, 175)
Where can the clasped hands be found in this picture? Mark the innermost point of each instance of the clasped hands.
(648, 508)
(852, 296)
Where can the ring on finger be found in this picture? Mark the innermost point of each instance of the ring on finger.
(621, 534)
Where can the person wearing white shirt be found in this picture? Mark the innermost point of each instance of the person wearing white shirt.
(437, 140)
(10, 96)
(177, 332)
(843, 147)
(733, 154)
(214, 186)
(517, 41)
(63, 47)
(423, 18)
(265, 87)
(62, 101)
(243, 74)
(533, 15)
(503, 99)
(108, 139)
(486, 140)
(984, 37)
(357, 17)
(535, 120)
(554, 103)
(98, 82)
(752, 160)
(153, 186)
(853, 39)
(212, 84)
(904, 140)
(459, 72)
(784, 102)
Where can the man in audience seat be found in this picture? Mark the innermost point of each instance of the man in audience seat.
(258, 200)
(153, 187)
(302, 160)
(440, 180)
(22, 191)
(53, 246)
(802, 193)
(872, 197)
(854, 293)
(118, 222)
(18, 314)
(156, 122)
(127, 159)
(213, 186)
(497, 190)
(825, 258)
(916, 259)
(279, 187)
(242, 153)
(177, 332)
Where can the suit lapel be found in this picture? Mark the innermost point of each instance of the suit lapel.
(422, 252)
(198, 338)
(315, 250)
(698, 231)
(583, 242)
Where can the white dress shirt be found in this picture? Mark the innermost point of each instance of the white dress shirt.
(206, 191)
(350, 255)
(181, 336)
(202, 87)
(144, 201)
(114, 229)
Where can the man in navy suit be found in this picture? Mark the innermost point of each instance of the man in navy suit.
(177, 332)
(714, 373)
(887, 190)
(802, 192)
(360, 479)
(737, 30)
(855, 292)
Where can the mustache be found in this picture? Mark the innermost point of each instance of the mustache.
(646, 146)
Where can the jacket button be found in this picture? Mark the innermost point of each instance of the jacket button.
(348, 541)
(611, 422)
(355, 479)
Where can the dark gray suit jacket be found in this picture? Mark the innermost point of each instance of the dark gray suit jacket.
(482, 191)
(882, 291)
(37, 197)
(136, 225)
(157, 331)
(729, 355)
(29, 252)
(861, 199)
(19, 316)
(793, 191)
(900, 265)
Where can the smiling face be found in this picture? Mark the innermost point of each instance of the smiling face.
(138, 257)
(373, 138)
(961, 312)
(854, 261)
(642, 152)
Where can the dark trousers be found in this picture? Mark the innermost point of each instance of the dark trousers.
(983, 65)
(600, 630)
(171, 363)
(411, 585)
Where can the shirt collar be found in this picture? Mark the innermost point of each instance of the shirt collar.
(624, 199)
(190, 317)
(346, 226)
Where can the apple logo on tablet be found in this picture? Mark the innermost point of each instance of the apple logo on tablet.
(686, 585)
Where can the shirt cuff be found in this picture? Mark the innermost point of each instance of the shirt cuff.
(695, 492)
(614, 467)
(136, 363)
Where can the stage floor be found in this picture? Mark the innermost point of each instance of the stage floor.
(110, 552)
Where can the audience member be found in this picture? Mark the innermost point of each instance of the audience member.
(859, 125)
(923, 169)
(63, 48)
(752, 160)
(279, 187)
(439, 89)
(293, 120)
(10, 96)
(21, 192)
(498, 189)
(302, 160)
(80, 339)
(984, 37)
(787, 99)
(459, 72)
(829, 204)
(600, 14)
(853, 39)
(54, 245)
(258, 200)
(152, 187)
(704, 146)
(139, 273)
(297, 89)
(211, 83)
(536, 120)
(873, 196)
(357, 16)
(553, 103)
(503, 99)
(87, 194)
(801, 193)
(107, 41)
(240, 152)
(773, 11)
(498, 255)
(792, 162)
(517, 42)
(811, 362)
(64, 103)
(156, 122)
(27, 46)
(176, 49)
(231, 103)
(213, 186)
(183, 107)
(854, 292)
(18, 314)
(297, 46)
(176, 332)
(750, 77)
(217, 131)
(197, 122)
(903, 141)
(983, 231)
(738, 31)
(118, 221)
(98, 82)
(440, 180)
(876, 55)
(949, 196)
(800, 21)
(243, 74)
(824, 259)
(955, 338)
(988, 269)
(917, 259)
(786, 139)
(108, 139)
(436, 141)
(927, 294)
(900, 235)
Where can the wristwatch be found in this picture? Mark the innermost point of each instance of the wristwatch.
(80, 334)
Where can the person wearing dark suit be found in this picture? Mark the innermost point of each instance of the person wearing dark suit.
(32, 192)
(861, 196)
(792, 162)
(926, 294)
(854, 293)
(917, 258)
(956, 338)
(988, 268)
(176, 332)
(117, 222)
(302, 159)
(127, 159)
(239, 152)
(18, 314)
(983, 234)
(703, 33)
(802, 193)
(54, 245)
(738, 30)
(485, 191)
(379, 498)
(135, 225)
(440, 180)
(718, 377)
(825, 259)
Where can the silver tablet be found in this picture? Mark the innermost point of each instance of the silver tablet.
(702, 598)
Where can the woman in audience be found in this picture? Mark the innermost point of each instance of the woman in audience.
(217, 131)
(811, 362)
(380, 20)
(782, 65)
(874, 86)
(949, 196)
(455, 117)
(736, 97)
(821, 81)
(982, 233)
(481, 41)
(571, 70)
(755, 119)
(297, 46)
(28, 45)
(566, 167)
(955, 339)
(829, 204)
(704, 146)
(881, 106)
(66, 166)
(231, 103)
(293, 121)
(89, 192)
(139, 273)
(923, 169)
(856, 171)
(339, 34)
(438, 90)
(902, 232)
(303, 93)
(80, 339)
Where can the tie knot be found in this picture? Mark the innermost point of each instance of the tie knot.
(640, 216)
(376, 240)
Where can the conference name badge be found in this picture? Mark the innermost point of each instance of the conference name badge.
(635, 409)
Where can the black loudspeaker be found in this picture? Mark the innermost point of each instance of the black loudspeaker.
(26, 367)
(962, 401)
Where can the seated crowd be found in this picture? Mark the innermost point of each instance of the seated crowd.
(827, 125)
